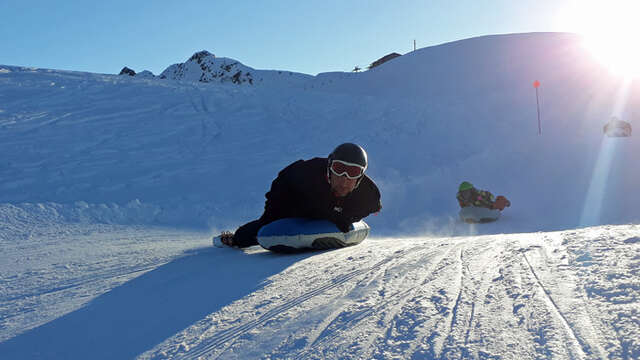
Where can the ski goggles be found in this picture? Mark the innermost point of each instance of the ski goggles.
(351, 171)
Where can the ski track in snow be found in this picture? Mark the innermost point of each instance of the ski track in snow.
(348, 319)
(485, 297)
(578, 348)
(233, 333)
(568, 295)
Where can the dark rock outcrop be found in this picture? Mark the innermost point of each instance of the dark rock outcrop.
(383, 60)
(126, 71)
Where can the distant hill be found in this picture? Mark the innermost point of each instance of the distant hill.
(205, 67)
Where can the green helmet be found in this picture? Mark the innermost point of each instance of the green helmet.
(465, 186)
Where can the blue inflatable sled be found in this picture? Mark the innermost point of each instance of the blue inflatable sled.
(299, 234)
(472, 214)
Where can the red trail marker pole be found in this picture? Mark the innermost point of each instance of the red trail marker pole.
(536, 84)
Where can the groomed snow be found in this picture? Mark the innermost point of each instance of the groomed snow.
(112, 187)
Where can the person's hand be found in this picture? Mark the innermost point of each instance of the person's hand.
(342, 224)
(500, 203)
(506, 201)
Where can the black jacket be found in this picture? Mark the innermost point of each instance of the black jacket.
(302, 190)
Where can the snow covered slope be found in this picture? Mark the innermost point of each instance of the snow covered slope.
(206, 153)
(74, 291)
(111, 187)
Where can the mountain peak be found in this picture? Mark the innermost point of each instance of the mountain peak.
(200, 55)
(203, 66)
(126, 71)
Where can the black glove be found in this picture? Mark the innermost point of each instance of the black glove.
(342, 224)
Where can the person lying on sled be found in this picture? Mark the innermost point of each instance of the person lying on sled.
(334, 188)
(470, 196)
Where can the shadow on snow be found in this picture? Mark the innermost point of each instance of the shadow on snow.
(138, 315)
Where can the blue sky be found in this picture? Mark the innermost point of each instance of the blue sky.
(294, 35)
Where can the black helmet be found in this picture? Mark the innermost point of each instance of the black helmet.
(350, 153)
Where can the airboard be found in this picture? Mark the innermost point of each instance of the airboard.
(299, 234)
(475, 214)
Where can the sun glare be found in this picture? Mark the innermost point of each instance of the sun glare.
(611, 31)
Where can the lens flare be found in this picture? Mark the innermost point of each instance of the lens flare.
(610, 30)
(598, 188)
(592, 209)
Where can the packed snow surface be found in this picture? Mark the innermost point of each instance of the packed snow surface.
(112, 187)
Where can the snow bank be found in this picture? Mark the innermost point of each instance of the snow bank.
(134, 212)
